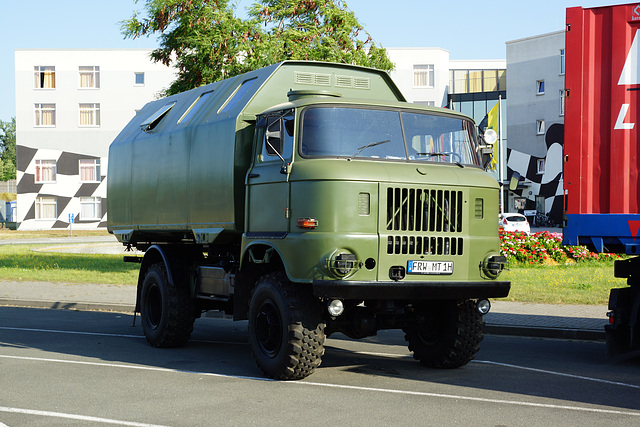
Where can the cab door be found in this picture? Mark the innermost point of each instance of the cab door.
(268, 179)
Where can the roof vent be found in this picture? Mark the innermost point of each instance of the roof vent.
(300, 94)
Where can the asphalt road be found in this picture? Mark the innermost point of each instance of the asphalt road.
(62, 367)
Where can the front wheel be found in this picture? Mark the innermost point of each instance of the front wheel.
(448, 334)
(286, 332)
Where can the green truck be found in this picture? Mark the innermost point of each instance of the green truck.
(308, 198)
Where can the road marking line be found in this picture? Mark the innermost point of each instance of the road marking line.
(53, 331)
(347, 387)
(73, 417)
(561, 374)
(102, 334)
(367, 353)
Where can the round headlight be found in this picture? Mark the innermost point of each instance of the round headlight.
(342, 263)
(493, 265)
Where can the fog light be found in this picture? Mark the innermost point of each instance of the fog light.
(483, 306)
(335, 307)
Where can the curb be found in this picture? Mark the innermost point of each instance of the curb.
(538, 332)
(67, 305)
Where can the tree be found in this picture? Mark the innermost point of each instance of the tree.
(8, 150)
(322, 30)
(206, 42)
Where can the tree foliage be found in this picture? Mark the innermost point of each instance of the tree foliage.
(8, 150)
(206, 41)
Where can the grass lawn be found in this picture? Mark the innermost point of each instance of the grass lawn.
(577, 283)
(21, 262)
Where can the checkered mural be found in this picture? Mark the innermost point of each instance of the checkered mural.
(549, 183)
(50, 204)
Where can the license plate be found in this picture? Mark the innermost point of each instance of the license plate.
(430, 267)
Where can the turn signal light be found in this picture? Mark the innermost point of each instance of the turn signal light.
(307, 223)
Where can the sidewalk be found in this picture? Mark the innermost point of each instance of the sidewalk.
(505, 318)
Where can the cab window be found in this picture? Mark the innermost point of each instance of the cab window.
(277, 137)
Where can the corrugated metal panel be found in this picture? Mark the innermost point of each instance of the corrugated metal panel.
(602, 121)
(602, 115)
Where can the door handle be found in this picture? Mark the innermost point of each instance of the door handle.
(254, 175)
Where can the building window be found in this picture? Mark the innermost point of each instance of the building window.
(426, 103)
(90, 170)
(90, 208)
(139, 79)
(472, 81)
(45, 115)
(90, 115)
(540, 127)
(46, 208)
(89, 77)
(562, 94)
(540, 166)
(45, 171)
(561, 62)
(423, 76)
(540, 87)
(45, 77)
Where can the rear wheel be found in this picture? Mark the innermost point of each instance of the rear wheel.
(448, 335)
(286, 332)
(167, 311)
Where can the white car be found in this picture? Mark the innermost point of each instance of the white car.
(514, 222)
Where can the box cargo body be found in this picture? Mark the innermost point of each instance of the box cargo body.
(602, 121)
(188, 171)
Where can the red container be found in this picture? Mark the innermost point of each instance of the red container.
(602, 121)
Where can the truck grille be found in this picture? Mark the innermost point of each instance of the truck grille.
(424, 211)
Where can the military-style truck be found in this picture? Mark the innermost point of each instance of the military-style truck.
(309, 199)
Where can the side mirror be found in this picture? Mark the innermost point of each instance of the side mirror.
(275, 143)
(513, 183)
(274, 139)
(489, 137)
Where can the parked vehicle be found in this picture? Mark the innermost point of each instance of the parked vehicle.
(308, 198)
(514, 222)
(602, 142)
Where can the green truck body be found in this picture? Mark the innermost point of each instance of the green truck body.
(308, 198)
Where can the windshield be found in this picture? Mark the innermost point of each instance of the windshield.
(381, 134)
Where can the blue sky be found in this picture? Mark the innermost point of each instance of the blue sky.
(467, 29)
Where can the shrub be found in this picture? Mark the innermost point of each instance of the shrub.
(543, 247)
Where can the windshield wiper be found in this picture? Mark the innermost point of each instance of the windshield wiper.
(364, 147)
(434, 154)
(437, 154)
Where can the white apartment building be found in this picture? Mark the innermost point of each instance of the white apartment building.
(421, 74)
(70, 105)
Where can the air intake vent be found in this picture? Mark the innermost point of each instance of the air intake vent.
(417, 245)
(316, 79)
(353, 82)
(411, 209)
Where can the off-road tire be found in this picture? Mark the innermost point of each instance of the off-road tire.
(167, 311)
(449, 335)
(286, 331)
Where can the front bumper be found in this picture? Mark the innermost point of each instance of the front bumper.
(413, 291)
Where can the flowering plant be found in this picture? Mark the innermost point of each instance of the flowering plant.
(543, 247)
